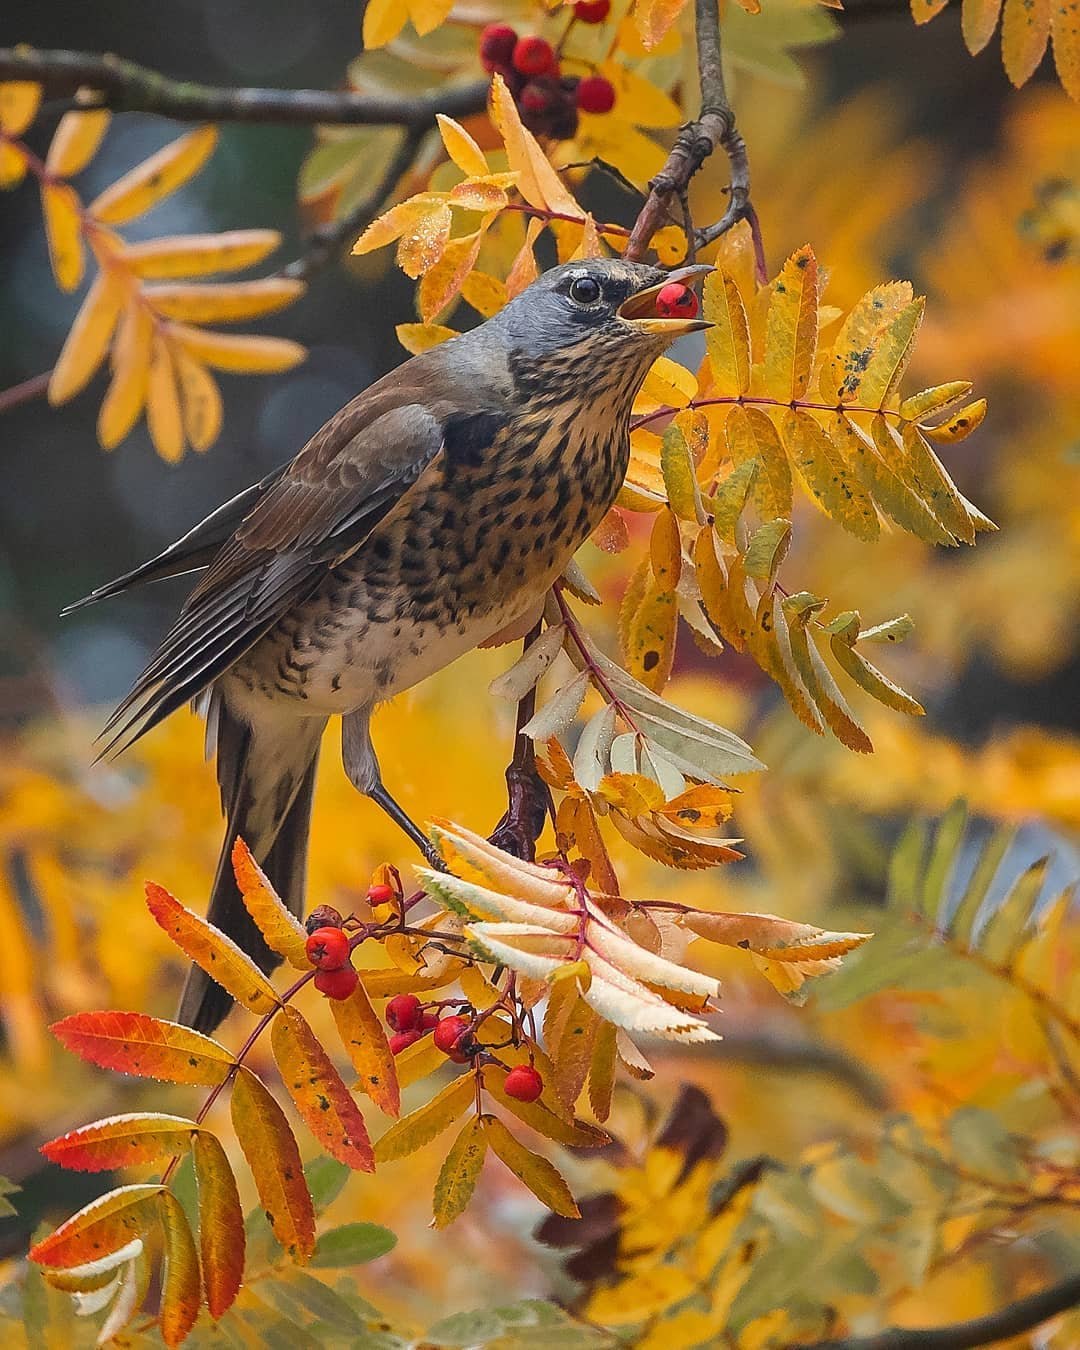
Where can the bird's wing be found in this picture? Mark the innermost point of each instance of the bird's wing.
(321, 508)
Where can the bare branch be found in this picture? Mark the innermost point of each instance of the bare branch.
(125, 86)
(696, 141)
(1012, 1320)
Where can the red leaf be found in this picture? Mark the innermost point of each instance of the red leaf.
(100, 1228)
(318, 1093)
(272, 1154)
(221, 1223)
(135, 1043)
(181, 1291)
(120, 1141)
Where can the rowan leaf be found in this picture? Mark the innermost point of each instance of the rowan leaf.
(960, 425)
(459, 1173)
(101, 1228)
(1065, 27)
(126, 395)
(1025, 28)
(75, 141)
(222, 302)
(88, 341)
(383, 21)
(889, 490)
(461, 147)
(441, 283)
(198, 255)
(163, 413)
(421, 337)
(728, 341)
(537, 181)
(221, 1223)
(930, 402)
(843, 633)
(364, 1039)
(791, 327)
(752, 438)
(680, 479)
(555, 716)
(844, 375)
(422, 244)
(221, 958)
(281, 929)
(120, 1141)
(245, 354)
(540, 1117)
(63, 229)
(419, 1127)
(818, 679)
(529, 669)
(891, 353)
(19, 103)
(270, 1147)
(318, 1093)
(830, 480)
(352, 1244)
(180, 1286)
(136, 1043)
(602, 1070)
(155, 178)
(539, 1175)
(200, 402)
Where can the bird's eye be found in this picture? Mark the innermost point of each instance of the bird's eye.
(585, 291)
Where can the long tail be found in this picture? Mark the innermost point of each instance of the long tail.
(267, 775)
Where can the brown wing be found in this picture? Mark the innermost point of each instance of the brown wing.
(345, 480)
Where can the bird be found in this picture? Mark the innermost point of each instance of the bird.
(428, 516)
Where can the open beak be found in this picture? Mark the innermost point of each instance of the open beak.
(640, 309)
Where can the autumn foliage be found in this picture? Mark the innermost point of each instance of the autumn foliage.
(777, 1041)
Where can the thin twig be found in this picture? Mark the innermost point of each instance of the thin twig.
(1009, 1321)
(713, 129)
(125, 86)
(25, 392)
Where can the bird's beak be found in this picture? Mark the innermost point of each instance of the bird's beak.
(640, 309)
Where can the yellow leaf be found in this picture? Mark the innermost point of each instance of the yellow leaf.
(650, 106)
(249, 354)
(427, 1122)
(364, 1039)
(537, 182)
(155, 178)
(933, 484)
(541, 1177)
(163, 413)
(572, 1054)
(978, 19)
(459, 1173)
(422, 244)
(1065, 24)
(19, 102)
(12, 164)
(200, 401)
(865, 675)
(728, 341)
(280, 928)
(421, 337)
(200, 302)
(818, 679)
(486, 294)
(63, 226)
(441, 284)
(888, 489)
(667, 385)
(476, 195)
(461, 147)
(960, 425)
(75, 141)
(383, 21)
(930, 401)
(892, 352)
(1024, 31)
(131, 369)
(833, 483)
(751, 435)
(842, 377)
(602, 1071)
(791, 327)
(654, 18)
(86, 344)
(427, 15)
(523, 270)
(199, 255)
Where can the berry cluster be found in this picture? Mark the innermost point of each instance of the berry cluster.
(330, 952)
(453, 1034)
(548, 100)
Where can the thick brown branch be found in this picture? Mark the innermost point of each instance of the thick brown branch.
(1012, 1320)
(125, 86)
(713, 129)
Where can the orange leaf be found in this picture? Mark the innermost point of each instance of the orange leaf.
(541, 1177)
(19, 102)
(199, 255)
(63, 227)
(120, 1141)
(459, 1173)
(131, 370)
(76, 140)
(442, 283)
(200, 402)
(537, 181)
(148, 1047)
(423, 243)
(88, 341)
(1024, 31)
(209, 948)
(272, 1153)
(180, 1293)
(364, 1038)
(221, 1223)
(318, 1093)
(248, 354)
(155, 178)
(163, 415)
(1065, 23)
(282, 930)
(100, 1228)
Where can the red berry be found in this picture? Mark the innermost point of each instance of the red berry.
(596, 95)
(675, 301)
(523, 1083)
(380, 893)
(592, 11)
(449, 1031)
(326, 916)
(401, 1040)
(337, 983)
(403, 1012)
(328, 948)
(497, 43)
(429, 1021)
(533, 56)
(535, 99)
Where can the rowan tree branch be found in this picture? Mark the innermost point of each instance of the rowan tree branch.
(1009, 1321)
(125, 86)
(714, 128)
(528, 798)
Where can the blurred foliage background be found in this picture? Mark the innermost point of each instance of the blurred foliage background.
(897, 155)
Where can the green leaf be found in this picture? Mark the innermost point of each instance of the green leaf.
(767, 549)
(941, 864)
(325, 1177)
(729, 501)
(680, 476)
(352, 1244)
(983, 1145)
(1004, 928)
(7, 1209)
(961, 922)
(297, 1293)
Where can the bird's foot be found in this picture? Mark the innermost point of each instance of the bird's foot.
(523, 822)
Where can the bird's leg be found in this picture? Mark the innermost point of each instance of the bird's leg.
(362, 768)
(528, 796)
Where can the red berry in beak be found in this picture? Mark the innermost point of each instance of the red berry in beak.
(676, 301)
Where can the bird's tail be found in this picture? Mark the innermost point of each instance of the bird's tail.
(267, 777)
